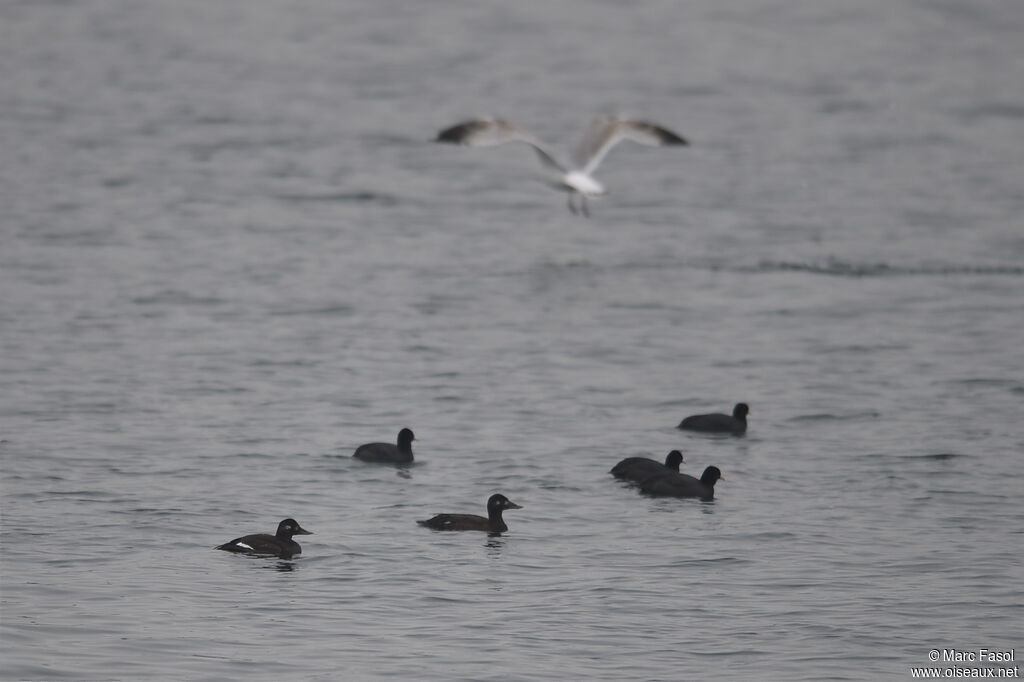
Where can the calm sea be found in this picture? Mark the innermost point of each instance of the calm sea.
(230, 254)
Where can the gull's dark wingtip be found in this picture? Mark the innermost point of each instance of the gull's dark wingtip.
(664, 136)
(452, 135)
(670, 138)
(460, 132)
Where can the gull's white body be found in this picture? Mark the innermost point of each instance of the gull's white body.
(575, 177)
(580, 182)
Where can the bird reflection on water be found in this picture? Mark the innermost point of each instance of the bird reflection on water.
(280, 566)
(494, 545)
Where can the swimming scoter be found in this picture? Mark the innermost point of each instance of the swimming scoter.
(280, 545)
(493, 523)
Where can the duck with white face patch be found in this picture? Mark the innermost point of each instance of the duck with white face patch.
(493, 523)
(280, 544)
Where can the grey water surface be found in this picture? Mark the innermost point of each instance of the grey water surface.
(230, 254)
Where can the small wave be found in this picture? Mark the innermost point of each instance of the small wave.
(840, 268)
(987, 110)
(826, 416)
(341, 197)
(890, 456)
(994, 382)
(175, 297)
(299, 362)
(208, 390)
(731, 560)
(329, 310)
(834, 267)
(939, 456)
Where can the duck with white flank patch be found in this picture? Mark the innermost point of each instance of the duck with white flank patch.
(492, 524)
(279, 545)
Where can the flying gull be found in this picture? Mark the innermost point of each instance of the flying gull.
(576, 177)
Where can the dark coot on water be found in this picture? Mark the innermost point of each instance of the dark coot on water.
(492, 524)
(683, 485)
(637, 469)
(718, 423)
(388, 453)
(280, 545)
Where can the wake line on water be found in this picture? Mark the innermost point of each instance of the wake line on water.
(830, 268)
(839, 268)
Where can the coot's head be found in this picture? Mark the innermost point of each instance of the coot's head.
(499, 501)
(674, 459)
(741, 410)
(711, 475)
(405, 438)
(290, 527)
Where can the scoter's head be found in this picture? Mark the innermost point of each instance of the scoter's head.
(741, 411)
(289, 527)
(498, 503)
